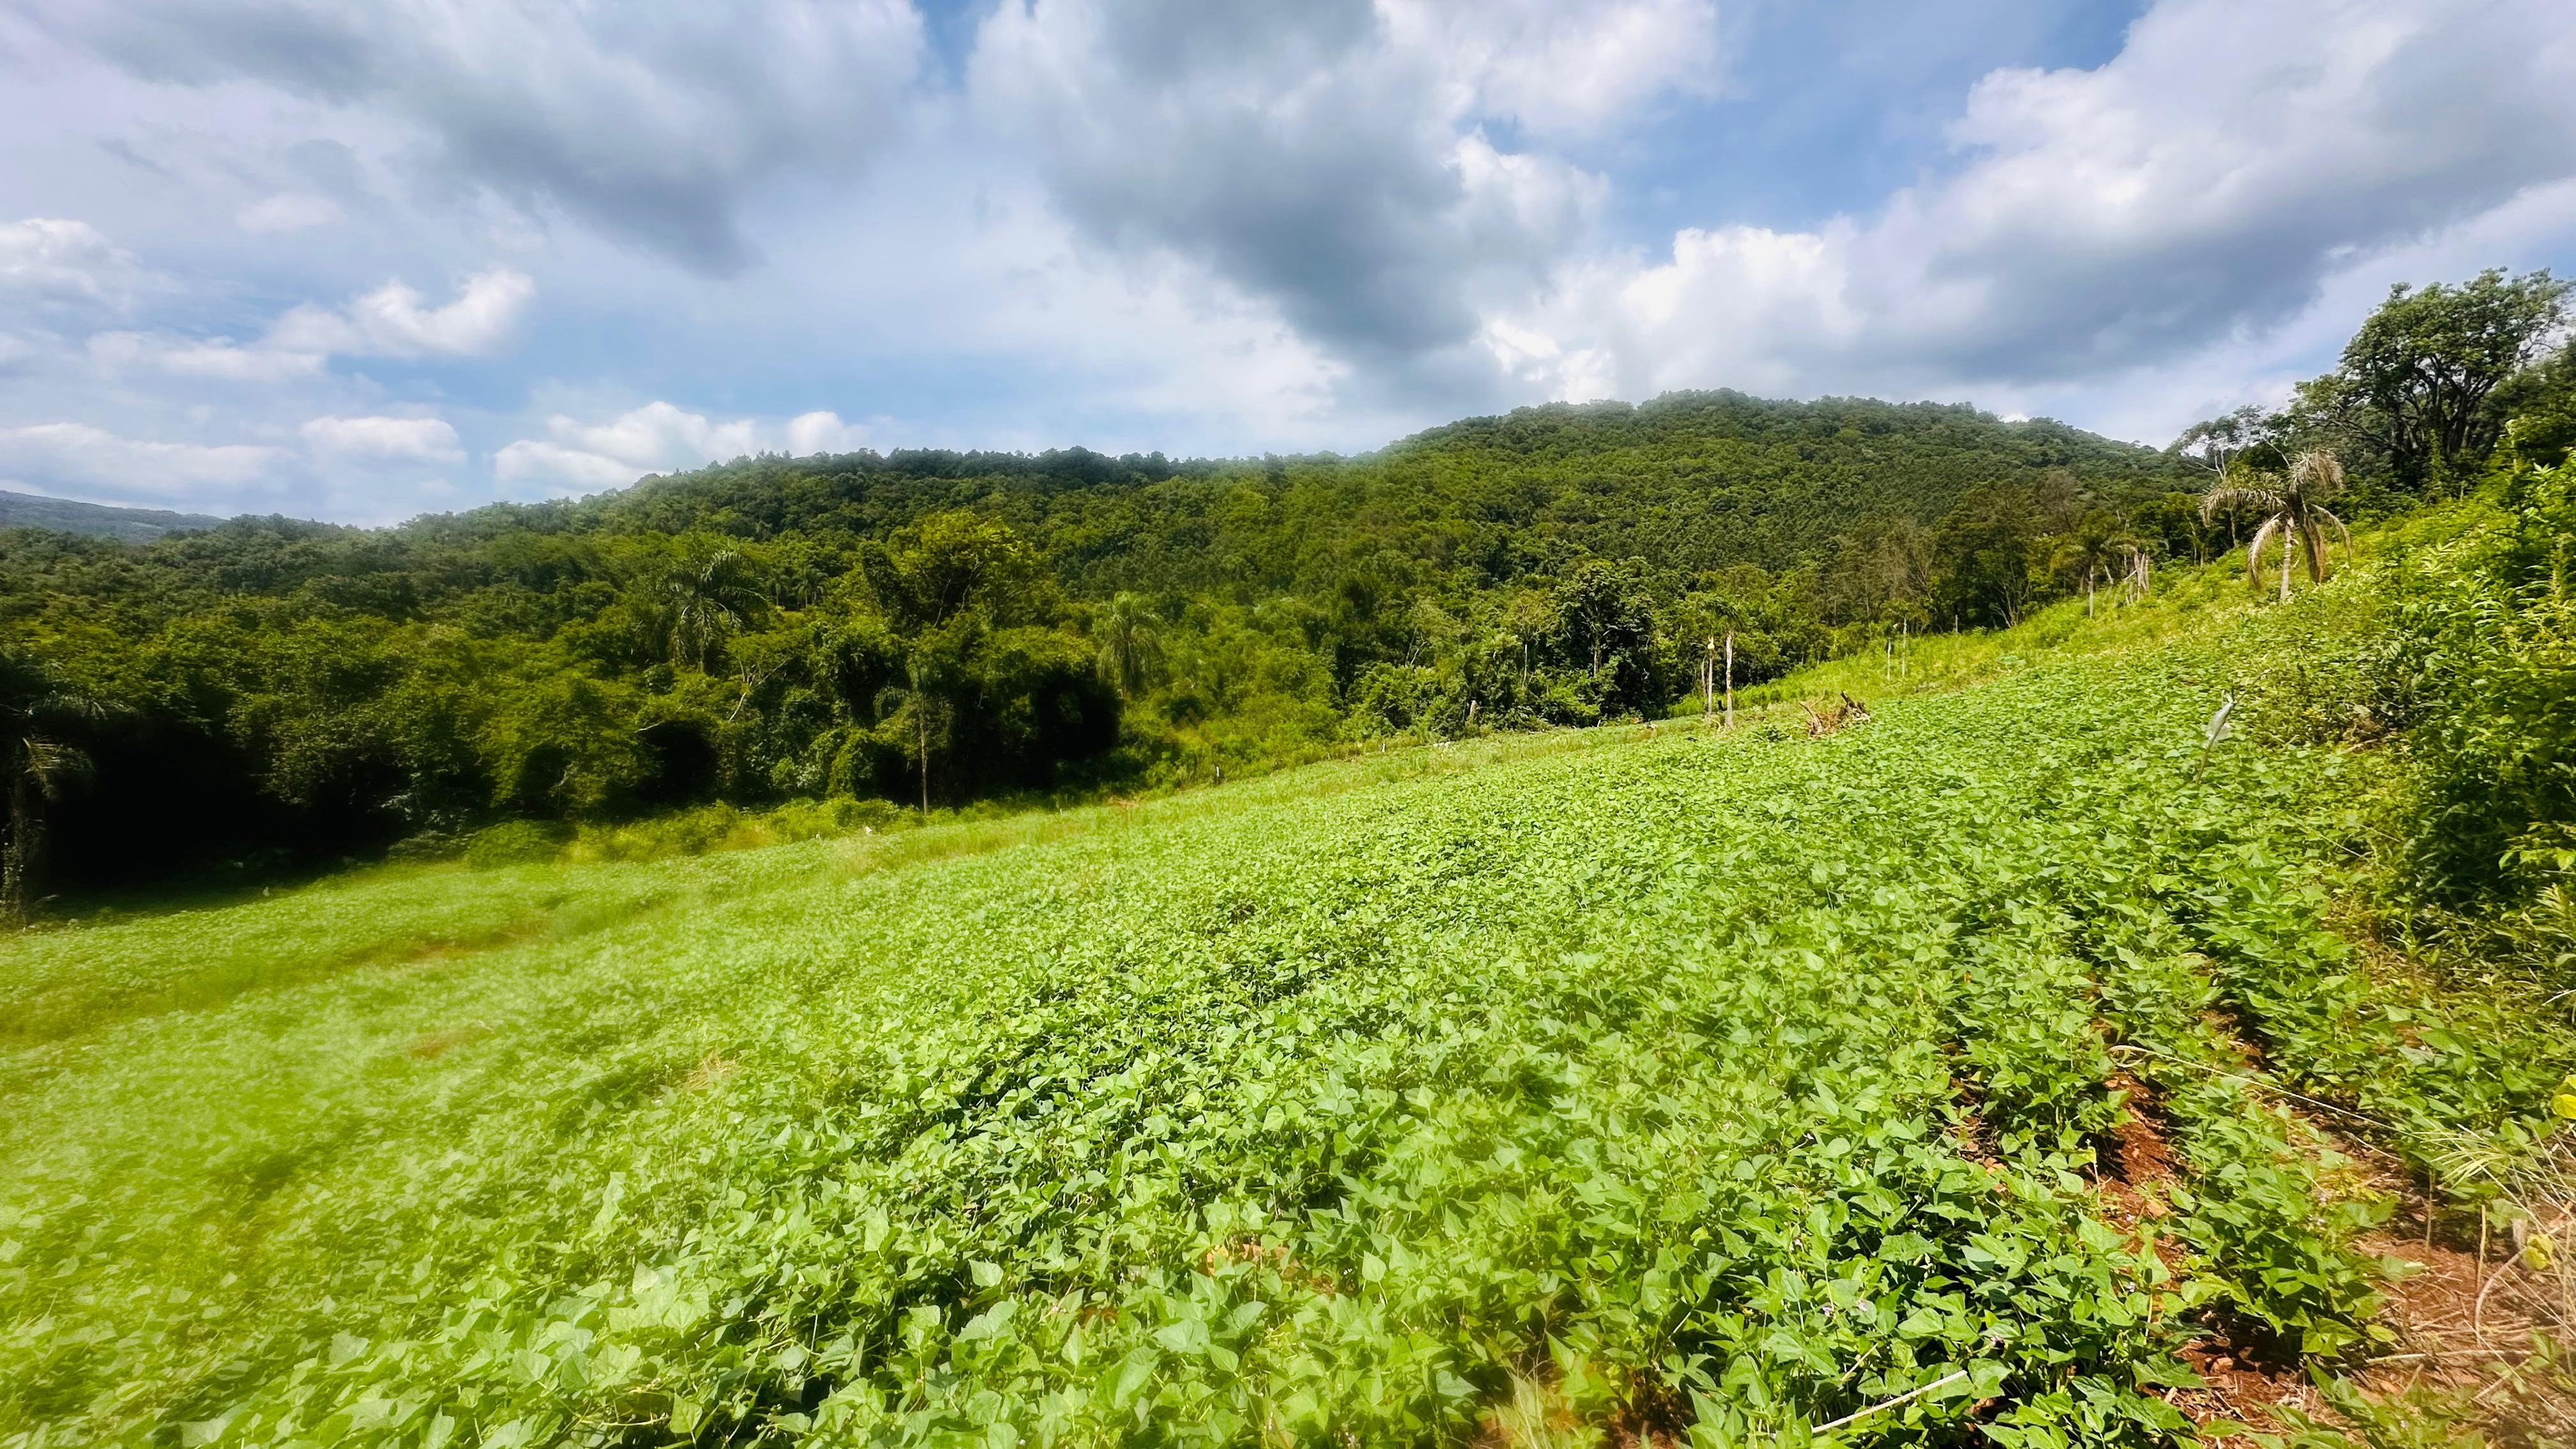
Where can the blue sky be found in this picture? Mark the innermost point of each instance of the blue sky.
(359, 262)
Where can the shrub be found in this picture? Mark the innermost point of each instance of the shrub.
(2497, 628)
(513, 842)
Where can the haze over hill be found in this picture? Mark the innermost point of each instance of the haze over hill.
(62, 515)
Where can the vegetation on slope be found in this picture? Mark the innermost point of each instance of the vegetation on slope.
(1714, 1085)
(955, 626)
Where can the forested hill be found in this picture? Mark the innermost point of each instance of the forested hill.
(1690, 481)
(936, 627)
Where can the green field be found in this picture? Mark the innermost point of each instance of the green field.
(1550, 1090)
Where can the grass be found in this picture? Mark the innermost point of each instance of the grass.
(1715, 1086)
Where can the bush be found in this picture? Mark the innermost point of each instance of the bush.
(722, 827)
(514, 842)
(2497, 793)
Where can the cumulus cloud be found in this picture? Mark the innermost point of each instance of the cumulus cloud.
(380, 440)
(823, 432)
(658, 437)
(1329, 157)
(2204, 184)
(80, 458)
(55, 259)
(650, 123)
(394, 320)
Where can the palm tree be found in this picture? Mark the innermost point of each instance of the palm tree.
(1129, 645)
(2292, 509)
(705, 602)
(2102, 550)
(35, 712)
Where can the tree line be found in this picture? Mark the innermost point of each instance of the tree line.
(934, 627)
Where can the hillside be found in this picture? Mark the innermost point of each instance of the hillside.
(941, 628)
(1691, 482)
(93, 520)
(1712, 1086)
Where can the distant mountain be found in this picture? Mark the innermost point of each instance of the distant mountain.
(129, 525)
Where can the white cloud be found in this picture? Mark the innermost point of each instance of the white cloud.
(218, 358)
(1560, 68)
(660, 438)
(822, 432)
(287, 212)
(56, 259)
(392, 321)
(381, 440)
(2202, 186)
(82, 457)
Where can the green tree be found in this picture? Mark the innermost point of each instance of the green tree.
(1983, 555)
(706, 597)
(37, 716)
(2293, 511)
(1131, 643)
(1605, 623)
(2216, 445)
(2417, 383)
(2540, 404)
(919, 712)
(949, 563)
(2100, 550)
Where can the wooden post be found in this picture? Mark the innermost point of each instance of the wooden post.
(1730, 679)
(1708, 684)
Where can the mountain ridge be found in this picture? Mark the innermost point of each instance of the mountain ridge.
(97, 520)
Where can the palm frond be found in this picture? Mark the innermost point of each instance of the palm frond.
(53, 765)
(2311, 545)
(2316, 473)
(2254, 550)
(69, 707)
(2238, 495)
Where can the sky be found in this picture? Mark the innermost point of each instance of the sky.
(360, 262)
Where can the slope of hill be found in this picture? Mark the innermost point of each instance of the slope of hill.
(939, 628)
(1933, 1069)
(1689, 481)
(93, 520)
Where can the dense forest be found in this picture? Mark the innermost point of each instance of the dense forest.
(937, 627)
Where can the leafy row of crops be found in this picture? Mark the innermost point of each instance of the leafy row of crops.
(1719, 1086)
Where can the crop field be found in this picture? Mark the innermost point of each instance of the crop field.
(1709, 1088)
